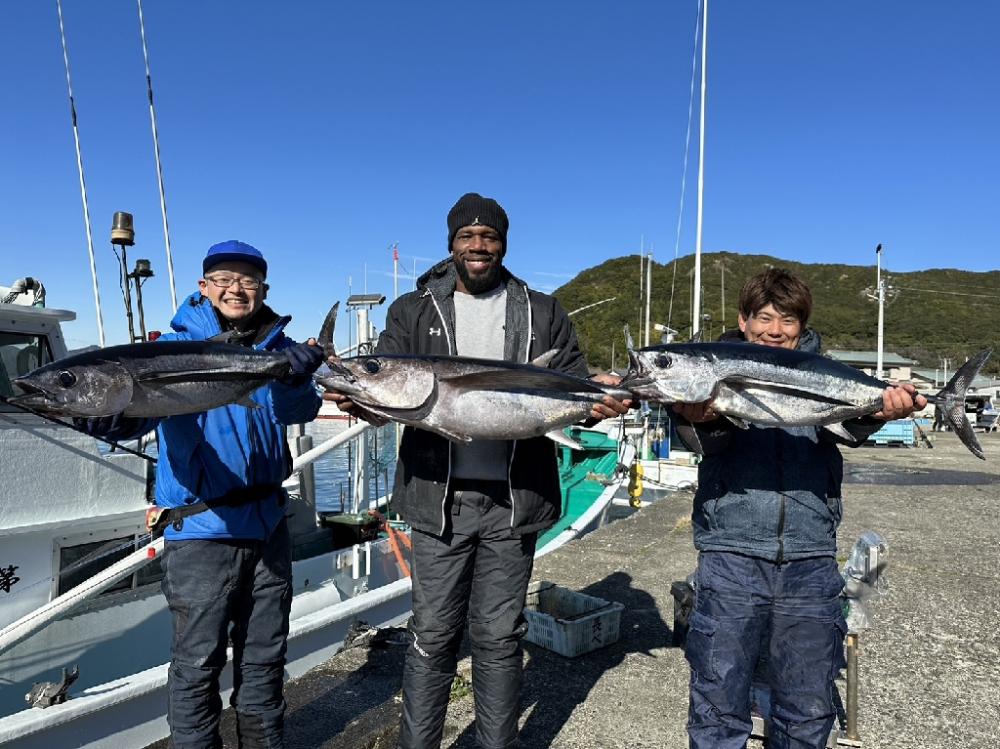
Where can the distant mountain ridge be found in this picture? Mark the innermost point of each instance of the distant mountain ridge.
(934, 314)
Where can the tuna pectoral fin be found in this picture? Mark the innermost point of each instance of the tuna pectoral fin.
(561, 438)
(545, 359)
(741, 423)
(247, 401)
(194, 375)
(522, 378)
(951, 401)
(795, 386)
(839, 430)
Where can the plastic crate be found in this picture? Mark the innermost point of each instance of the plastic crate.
(570, 623)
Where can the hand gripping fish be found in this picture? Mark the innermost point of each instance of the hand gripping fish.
(769, 386)
(461, 398)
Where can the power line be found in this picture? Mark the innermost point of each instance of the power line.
(953, 293)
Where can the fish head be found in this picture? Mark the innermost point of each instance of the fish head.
(100, 388)
(401, 383)
(669, 376)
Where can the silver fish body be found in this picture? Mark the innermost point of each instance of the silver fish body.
(150, 380)
(466, 399)
(770, 386)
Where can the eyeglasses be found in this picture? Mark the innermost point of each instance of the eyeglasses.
(224, 281)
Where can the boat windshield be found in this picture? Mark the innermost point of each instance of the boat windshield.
(19, 354)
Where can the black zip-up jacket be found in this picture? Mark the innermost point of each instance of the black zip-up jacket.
(423, 323)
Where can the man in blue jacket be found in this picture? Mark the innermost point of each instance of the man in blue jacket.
(227, 558)
(765, 523)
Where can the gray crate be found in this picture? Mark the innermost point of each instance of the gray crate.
(570, 623)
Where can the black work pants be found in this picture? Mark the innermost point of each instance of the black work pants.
(219, 591)
(477, 570)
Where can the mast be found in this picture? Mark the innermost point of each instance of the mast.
(83, 184)
(696, 304)
(159, 166)
(649, 286)
(395, 271)
(642, 277)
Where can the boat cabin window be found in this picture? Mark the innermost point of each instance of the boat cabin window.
(82, 561)
(19, 354)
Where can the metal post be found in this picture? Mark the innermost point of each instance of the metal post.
(696, 302)
(649, 284)
(127, 289)
(852, 686)
(138, 306)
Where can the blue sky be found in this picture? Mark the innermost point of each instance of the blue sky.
(324, 132)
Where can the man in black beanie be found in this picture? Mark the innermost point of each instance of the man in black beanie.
(475, 508)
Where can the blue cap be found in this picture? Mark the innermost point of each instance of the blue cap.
(236, 251)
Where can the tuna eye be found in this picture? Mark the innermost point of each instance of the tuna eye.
(67, 379)
(372, 366)
(663, 361)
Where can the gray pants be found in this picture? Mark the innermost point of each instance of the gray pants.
(480, 571)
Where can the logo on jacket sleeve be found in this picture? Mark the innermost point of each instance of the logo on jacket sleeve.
(434, 331)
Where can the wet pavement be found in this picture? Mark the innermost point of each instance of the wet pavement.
(929, 668)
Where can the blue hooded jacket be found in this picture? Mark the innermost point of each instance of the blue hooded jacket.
(205, 455)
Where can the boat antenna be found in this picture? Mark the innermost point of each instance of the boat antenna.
(159, 165)
(696, 309)
(83, 184)
(687, 151)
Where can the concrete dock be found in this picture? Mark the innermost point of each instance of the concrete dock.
(929, 669)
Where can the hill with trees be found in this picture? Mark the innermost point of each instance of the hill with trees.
(931, 314)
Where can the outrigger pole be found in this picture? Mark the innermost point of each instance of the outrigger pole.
(83, 184)
(159, 166)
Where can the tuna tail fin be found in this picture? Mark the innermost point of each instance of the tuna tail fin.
(326, 332)
(951, 401)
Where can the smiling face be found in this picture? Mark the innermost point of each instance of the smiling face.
(770, 327)
(477, 252)
(234, 301)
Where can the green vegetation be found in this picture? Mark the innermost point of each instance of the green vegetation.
(922, 322)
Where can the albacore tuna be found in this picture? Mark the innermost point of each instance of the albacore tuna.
(771, 386)
(467, 399)
(463, 398)
(151, 380)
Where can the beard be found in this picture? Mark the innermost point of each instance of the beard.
(479, 283)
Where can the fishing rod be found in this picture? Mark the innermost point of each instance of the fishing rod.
(83, 184)
(159, 165)
(75, 428)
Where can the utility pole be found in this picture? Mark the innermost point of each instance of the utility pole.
(880, 290)
(882, 293)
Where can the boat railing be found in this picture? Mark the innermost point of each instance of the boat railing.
(309, 456)
(60, 606)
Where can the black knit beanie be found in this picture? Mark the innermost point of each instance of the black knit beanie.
(472, 209)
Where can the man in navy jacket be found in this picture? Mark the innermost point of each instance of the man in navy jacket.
(765, 524)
